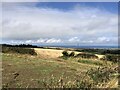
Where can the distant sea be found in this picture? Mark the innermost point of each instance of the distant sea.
(91, 47)
(88, 47)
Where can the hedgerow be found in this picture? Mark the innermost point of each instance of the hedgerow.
(18, 50)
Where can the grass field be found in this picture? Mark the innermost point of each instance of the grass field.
(27, 71)
(53, 53)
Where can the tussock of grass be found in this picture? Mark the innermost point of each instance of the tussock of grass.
(90, 62)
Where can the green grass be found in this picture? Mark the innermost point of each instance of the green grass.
(34, 70)
(91, 62)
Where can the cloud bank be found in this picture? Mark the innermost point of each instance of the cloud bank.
(26, 23)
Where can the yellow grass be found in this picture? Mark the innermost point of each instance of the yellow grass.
(52, 53)
(100, 56)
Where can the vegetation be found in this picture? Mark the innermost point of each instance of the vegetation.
(91, 62)
(100, 51)
(80, 55)
(21, 45)
(109, 57)
(93, 78)
(87, 55)
(72, 54)
(113, 58)
(18, 50)
(65, 54)
(80, 71)
(101, 74)
(35, 72)
(44, 74)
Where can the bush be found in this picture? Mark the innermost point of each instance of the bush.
(90, 62)
(72, 54)
(65, 54)
(86, 55)
(113, 58)
(100, 75)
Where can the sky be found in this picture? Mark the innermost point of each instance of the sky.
(60, 23)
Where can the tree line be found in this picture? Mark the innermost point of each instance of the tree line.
(20, 45)
(100, 51)
(21, 49)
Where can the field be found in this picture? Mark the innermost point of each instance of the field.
(48, 70)
(52, 53)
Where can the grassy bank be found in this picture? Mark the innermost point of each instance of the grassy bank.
(26, 71)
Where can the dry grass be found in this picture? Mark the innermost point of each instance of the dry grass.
(52, 53)
(32, 69)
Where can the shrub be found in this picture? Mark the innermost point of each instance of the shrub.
(93, 78)
(65, 54)
(86, 55)
(72, 54)
(113, 58)
(100, 75)
(90, 62)
(62, 83)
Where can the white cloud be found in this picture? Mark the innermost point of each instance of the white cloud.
(39, 41)
(53, 40)
(88, 41)
(29, 41)
(80, 24)
(74, 39)
(102, 39)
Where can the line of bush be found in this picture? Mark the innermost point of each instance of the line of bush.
(80, 55)
(90, 62)
(111, 57)
(21, 45)
(18, 50)
(100, 51)
(87, 55)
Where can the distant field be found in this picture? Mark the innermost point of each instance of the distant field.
(52, 53)
(47, 68)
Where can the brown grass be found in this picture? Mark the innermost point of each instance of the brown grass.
(52, 53)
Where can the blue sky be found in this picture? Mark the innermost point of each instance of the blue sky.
(109, 6)
(58, 23)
